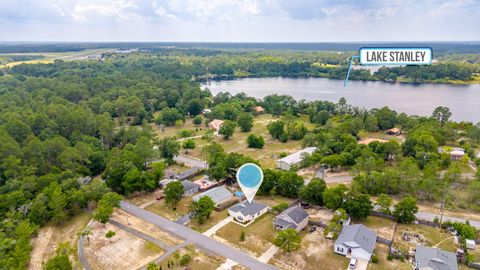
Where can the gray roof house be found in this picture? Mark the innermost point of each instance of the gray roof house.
(294, 217)
(245, 212)
(219, 195)
(189, 187)
(434, 259)
(356, 240)
(287, 162)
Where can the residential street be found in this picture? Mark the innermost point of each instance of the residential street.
(191, 161)
(430, 217)
(199, 239)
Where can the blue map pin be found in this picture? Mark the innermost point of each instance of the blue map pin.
(249, 178)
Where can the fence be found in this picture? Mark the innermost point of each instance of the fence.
(427, 222)
(384, 241)
(383, 215)
(317, 223)
(474, 265)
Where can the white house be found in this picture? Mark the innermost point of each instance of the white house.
(287, 162)
(356, 240)
(215, 124)
(294, 217)
(245, 212)
(219, 195)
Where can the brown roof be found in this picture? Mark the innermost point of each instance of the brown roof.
(394, 130)
(259, 109)
(215, 124)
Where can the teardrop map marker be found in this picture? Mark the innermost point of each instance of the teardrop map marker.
(249, 178)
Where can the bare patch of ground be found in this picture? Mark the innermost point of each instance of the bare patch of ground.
(123, 251)
(200, 260)
(323, 215)
(337, 177)
(145, 227)
(50, 236)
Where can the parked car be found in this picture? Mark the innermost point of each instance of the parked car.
(312, 228)
(159, 196)
(305, 205)
(352, 264)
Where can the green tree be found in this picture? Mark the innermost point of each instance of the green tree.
(254, 141)
(442, 114)
(288, 240)
(406, 209)
(194, 107)
(289, 184)
(200, 210)
(358, 205)
(313, 192)
(110, 234)
(61, 260)
(227, 129)
(153, 266)
(105, 207)
(384, 203)
(245, 121)
(276, 129)
(185, 259)
(168, 148)
(333, 197)
(173, 193)
(188, 144)
(197, 120)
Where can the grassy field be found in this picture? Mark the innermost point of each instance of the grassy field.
(164, 210)
(382, 226)
(200, 260)
(50, 236)
(315, 253)
(382, 251)
(273, 200)
(259, 235)
(432, 237)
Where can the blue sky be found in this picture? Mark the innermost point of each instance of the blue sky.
(239, 20)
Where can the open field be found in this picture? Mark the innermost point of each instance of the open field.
(123, 251)
(258, 235)
(200, 260)
(273, 200)
(382, 251)
(50, 236)
(315, 253)
(431, 237)
(50, 57)
(145, 227)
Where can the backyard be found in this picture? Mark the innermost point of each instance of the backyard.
(200, 260)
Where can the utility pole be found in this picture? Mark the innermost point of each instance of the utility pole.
(443, 200)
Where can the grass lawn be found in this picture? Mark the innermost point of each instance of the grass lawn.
(382, 251)
(272, 200)
(200, 260)
(432, 236)
(173, 131)
(315, 253)
(259, 235)
(164, 210)
(215, 217)
(382, 226)
(50, 236)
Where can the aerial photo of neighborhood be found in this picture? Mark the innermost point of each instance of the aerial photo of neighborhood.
(243, 134)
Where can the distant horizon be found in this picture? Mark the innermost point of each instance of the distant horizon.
(246, 42)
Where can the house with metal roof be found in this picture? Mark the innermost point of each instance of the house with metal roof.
(294, 217)
(427, 258)
(215, 124)
(246, 213)
(189, 188)
(357, 241)
(219, 195)
(287, 162)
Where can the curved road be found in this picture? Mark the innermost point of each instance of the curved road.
(199, 239)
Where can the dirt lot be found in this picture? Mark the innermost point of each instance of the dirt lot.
(123, 251)
(382, 226)
(323, 215)
(50, 236)
(200, 260)
(337, 177)
(145, 227)
(316, 253)
(429, 236)
(382, 251)
(258, 235)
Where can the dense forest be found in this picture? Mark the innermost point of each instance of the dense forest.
(73, 131)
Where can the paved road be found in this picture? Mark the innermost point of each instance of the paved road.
(191, 161)
(430, 217)
(81, 253)
(199, 239)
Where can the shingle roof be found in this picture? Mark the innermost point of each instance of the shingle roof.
(295, 213)
(218, 194)
(357, 236)
(189, 173)
(297, 156)
(435, 258)
(247, 208)
(188, 185)
(284, 224)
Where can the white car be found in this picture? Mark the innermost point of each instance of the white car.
(352, 264)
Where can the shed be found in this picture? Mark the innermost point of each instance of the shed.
(287, 162)
(189, 188)
(470, 243)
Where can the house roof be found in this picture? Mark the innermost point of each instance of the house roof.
(297, 156)
(188, 185)
(189, 173)
(394, 130)
(247, 208)
(259, 109)
(355, 236)
(285, 224)
(294, 213)
(218, 194)
(435, 258)
(216, 124)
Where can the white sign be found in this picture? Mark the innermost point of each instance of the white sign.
(395, 56)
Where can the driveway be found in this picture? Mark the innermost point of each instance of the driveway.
(361, 265)
(192, 162)
(218, 226)
(196, 238)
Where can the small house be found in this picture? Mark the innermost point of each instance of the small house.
(287, 162)
(470, 243)
(215, 124)
(434, 259)
(294, 217)
(245, 212)
(219, 195)
(456, 153)
(189, 188)
(258, 110)
(393, 131)
(357, 241)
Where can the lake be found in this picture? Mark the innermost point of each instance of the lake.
(419, 99)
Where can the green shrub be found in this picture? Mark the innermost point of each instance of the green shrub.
(374, 258)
